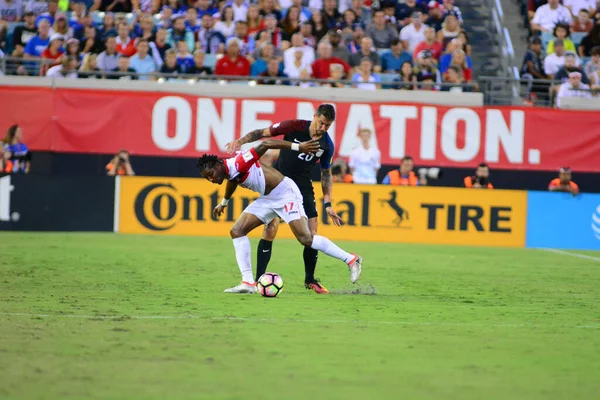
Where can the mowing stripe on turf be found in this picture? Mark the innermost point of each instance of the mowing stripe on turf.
(311, 321)
(566, 253)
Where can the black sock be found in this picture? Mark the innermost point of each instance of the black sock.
(310, 263)
(263, 256)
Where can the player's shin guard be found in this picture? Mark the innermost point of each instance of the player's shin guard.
(243, 255)
(331, 249)
(310, 263)
(263, 256)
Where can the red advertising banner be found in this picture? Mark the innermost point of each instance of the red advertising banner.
(181, 125)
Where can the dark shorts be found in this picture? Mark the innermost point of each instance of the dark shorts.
(310, 205)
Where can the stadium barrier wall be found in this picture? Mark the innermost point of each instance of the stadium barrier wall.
(559, 220)
(183, 206)
(56, 203)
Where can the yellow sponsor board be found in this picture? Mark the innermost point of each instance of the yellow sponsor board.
(183, 206)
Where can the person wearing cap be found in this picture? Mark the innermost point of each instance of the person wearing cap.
(391, 61)
(405, 11)
(569, 66)
(425, 67)
(38, 43)
(413, 33)
(109, 58)
(337, 49)
(564, 183)
(533, 61)
(572, 88)
(23, 33)
(179, 32)
(232, 63)
(435, 17)
(381, 32)
(548, 15)
(430, 43)
(366, 50)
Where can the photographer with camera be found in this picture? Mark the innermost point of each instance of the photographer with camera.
(564, 183)
(120, 165)
(481, 178)
(405, 176)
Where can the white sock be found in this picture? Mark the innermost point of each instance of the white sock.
(325, 245)
(243, 255)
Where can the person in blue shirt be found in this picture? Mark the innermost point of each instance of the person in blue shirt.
(205, 7)
(391, 61)
(185, 60)
(20, 155)
(142, 62)
(192, 21)
(179, 32)
(37, 44)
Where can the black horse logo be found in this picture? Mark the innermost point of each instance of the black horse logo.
(400, 212)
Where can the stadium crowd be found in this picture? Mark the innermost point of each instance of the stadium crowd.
(564, 46)
(392, 43)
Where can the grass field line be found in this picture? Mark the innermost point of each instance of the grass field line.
(300, 320)
(566, 253)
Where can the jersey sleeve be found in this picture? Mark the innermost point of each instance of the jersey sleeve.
(245, 160)
(327, 156)
(286, 127)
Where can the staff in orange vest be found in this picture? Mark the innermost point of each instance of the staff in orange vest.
(404, 176)
(480, 179)
(564, 183)
(6, 166)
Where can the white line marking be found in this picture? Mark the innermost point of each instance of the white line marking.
(566, 253)
(311, 321)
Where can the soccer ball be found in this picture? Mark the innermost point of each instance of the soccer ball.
(269, 285)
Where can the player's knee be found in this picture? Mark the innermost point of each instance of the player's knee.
(236, 232)
(305, 239)
(270, 232)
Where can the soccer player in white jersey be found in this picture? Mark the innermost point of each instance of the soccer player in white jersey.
(279, 197)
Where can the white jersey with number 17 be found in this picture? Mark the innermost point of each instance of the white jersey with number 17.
(245, 170)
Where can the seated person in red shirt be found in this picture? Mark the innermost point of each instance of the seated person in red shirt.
(320, 67)
(564, 183)
(125, 43)
(52, 55)
(232, 63)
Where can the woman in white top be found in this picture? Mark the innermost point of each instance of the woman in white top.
(365, 79)
(365, 160)
(293, 70)
(226, 25)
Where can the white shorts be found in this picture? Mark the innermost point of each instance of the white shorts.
(284, 201)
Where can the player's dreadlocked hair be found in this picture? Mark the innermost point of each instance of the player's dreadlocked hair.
(327, 111)
(207, 161)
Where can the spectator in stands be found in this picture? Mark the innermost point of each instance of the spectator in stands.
(589, 42)
(404, 176)
(269, 7)
(185, 59)
(192, 22)
(430, 43)
(179, 32)
(142, 62)
(123, 72)
(294, 68)
(66, 69)
(226, 25)
(381, 32)
(357, 36)
(450, 8)
(407, 78)
(305, 12)
(362, 13)
(366, 50)
(273, 74)
(38, 43)
(554, 61)
(331, 14)
(337, 49)
(459, 58)
(481, 178)
(572, 88)
(160, 46)
(289, 56)
(339, 171)
(38, 7)
(146, 30)
(349, 21)
(319, 27)
(291, 23)
(365, 160)
(336, 74)
(450, 29)
(592, 68)
(533, 62)
(564, 183)
(426, 67)
(6, 166)
(166, 13)
(89, 68)
(120, 165)
(569, 66)
(91, 43)
(562, 32)
(260, 65)
(108, 59)
(454, 78)
(320, 67)
(548, 15)
(170, 66)
(407, 10)
(199, 68)
(254, 20)
(582, 23)
(276, 36)
(391, 61)
(466, 47)
(240, 10)
(575, 6)
(10, 11)
(435, 17)
(50, 13)
(307, 37)
(145, 6)
(365, 79)
(413, 33)
(232, 63)
(446, 58)
(125, 45)
(52, 55)
(61, 26)
(241, 32)
(25, 32)
(205, 7)
(20, 156)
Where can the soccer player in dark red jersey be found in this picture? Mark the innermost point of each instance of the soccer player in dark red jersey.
(298, 166)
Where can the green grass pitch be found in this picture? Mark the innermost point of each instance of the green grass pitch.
(103, 316)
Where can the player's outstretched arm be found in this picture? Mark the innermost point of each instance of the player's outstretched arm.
(229, 190)
(253, 136)
(309, 147)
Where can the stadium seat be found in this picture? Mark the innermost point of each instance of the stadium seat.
(210, 60)
(387, 79)
(382, 51)
(546, 38)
